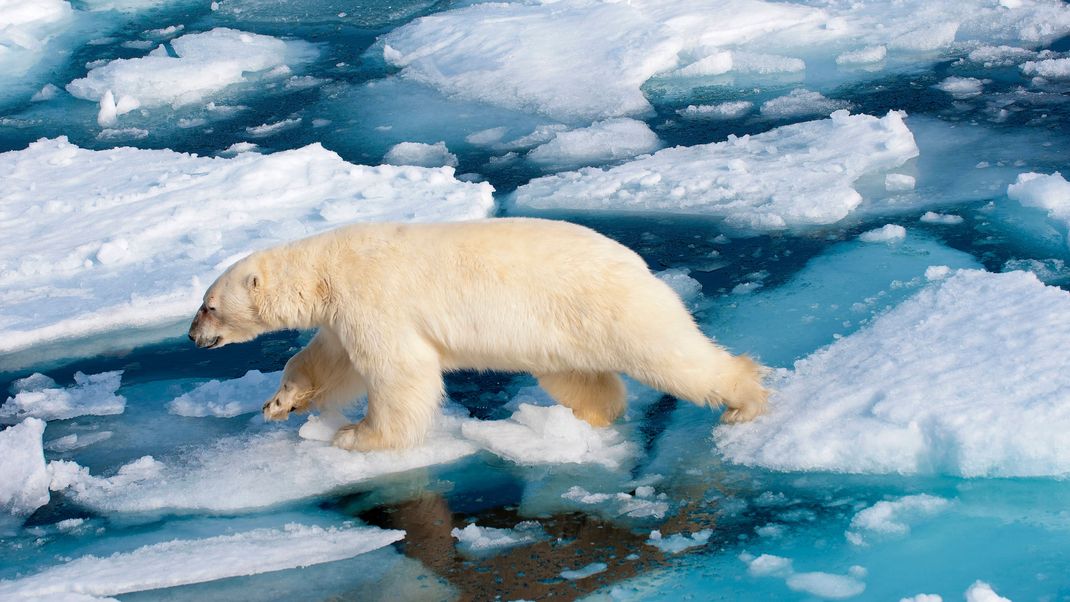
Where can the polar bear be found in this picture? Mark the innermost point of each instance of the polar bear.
(395, 305)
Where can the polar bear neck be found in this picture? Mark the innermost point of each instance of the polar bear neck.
(293, 291)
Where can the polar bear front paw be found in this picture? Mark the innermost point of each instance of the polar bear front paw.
(287, 399)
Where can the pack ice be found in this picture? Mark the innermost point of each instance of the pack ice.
(579, 61)
(125, 237)
(965, 378)
(792, 176)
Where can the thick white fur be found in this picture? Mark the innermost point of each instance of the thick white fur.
(398, 304)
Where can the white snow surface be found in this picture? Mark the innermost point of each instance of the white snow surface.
(126, 237)
(792, 176)
(24, 484)
(602, 142)
(228, 398)
(40, 397)
(929, 387)
(476, 540)
(186, 561)
(550, 435)
(584, 60)
(206, 63)
(249, 471)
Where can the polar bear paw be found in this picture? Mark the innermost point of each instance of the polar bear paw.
(288, 398)
(360, 437)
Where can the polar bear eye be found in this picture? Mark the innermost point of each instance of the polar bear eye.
(210, 308)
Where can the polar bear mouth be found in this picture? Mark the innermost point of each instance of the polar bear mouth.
(213, 343)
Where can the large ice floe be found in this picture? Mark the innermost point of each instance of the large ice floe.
(546, 57)
(186, 561)
(127, 237)
(192, 68)
(965, 378)
(792, 176)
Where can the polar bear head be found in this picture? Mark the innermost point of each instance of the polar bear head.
(230, 312)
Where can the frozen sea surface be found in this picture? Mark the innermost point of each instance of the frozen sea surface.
(869, 197)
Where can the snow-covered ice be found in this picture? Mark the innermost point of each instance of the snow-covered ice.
(420, 154)
(561, 66)
(888, 233)
(602, 142)
(892, 517)
(928, 388)
(792, 176)
(125, 237)
(227, 398)
(185, 561)
(202, 64)
(40, 397)
(245, 472)
(678, 542)
(24, 486)
(477, 541)
(550, 435)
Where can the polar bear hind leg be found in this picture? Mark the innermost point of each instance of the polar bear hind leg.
(597, 398)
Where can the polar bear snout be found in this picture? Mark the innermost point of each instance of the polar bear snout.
(201, 331)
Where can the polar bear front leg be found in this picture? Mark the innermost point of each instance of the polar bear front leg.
(402, 401)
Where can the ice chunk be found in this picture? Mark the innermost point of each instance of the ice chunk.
(270, 129)
(75, 441)
(913, 392)
(1048, 192)
(161, 233)
(801, 103)
(896, 181)
(476, 540)
(603, 142)
(644, 504)
(793, 176)
(678, 542)
(185, 561)
(962, 87)
(681, 282)
(203, 64)
(983, 592)
(584, 572)
(888, 233)
(563, 63)
(931, 217)
(423, 155)
(244, 472)
(322, 427)
(891, 517)
(725, 110)
(227, 398)
(92, 395)
(1049, 271)
(1048, 68)
(820, 584)
(24, 486)
(549, 435)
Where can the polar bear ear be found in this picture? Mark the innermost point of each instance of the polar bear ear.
(252, 281)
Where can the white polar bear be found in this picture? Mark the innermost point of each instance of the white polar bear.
(398, 304)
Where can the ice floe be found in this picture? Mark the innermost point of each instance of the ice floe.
(196, 66)
(474, 540)
(893, 517)
(24, 486)
(127, 237)
(40, 397)
(801, 103)
(248, 471)
(678, 542)
(418, 153)
(559, 66)
(888, 233)
(227, 398)
(793, 176)
(1050, 193)
(186, 561)
(603, 142)
(929, 387)
(983, 592)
